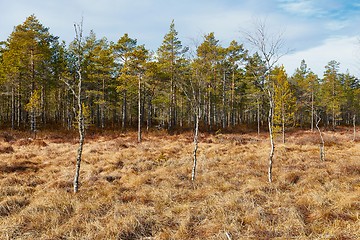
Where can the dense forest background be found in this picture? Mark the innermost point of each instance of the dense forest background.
(124, 81)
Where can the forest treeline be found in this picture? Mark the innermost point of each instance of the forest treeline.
(166, 88)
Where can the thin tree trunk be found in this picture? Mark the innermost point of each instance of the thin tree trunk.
(258, 118)
(283, 125)
(354, 124)
(124, 117)
(81, 121)
(193, 172)
(232, 98)
(32, 113)
(19, 106)
(170, 124)
(272, 149)
(223, 120)
(322, 144)
(149, 114)
(139, 110)
(181, 112)
(13, 109)
(312, 110)
(43, 105)
(102, 108)
(81, 129)
(209, 110)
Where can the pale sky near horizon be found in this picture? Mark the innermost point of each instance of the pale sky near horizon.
(317, 31)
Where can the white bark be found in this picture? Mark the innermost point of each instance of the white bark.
(322, 143)
(196, 134)
(81, 122)
(270, 47)
(272, 145)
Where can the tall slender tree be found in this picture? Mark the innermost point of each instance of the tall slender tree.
(122, 53)
(270, 47)
(284, 100)
(331, 92)
(75, 85)
(208, 55)
(169, 54)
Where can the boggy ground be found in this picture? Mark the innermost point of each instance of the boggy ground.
(143, 191)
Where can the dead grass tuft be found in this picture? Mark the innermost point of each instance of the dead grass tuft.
(4, 148)
(351, 169)
(6, 137)
(23, 142)
(293, 178)
(39, 143)
(19, 167)
(12, 205)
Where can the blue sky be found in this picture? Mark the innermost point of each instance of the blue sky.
(318, 31)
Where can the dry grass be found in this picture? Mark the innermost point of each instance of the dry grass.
(143, 191)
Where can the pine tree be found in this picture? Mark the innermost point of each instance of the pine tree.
(169, 55)
(284, 100)
(208, 54)
(28, 63)
(236, 55)
(306, 85)
(255, 92)
(331, 92)
(122, 51)
(98, 76)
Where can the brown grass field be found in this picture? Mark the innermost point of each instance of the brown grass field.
(143, 191)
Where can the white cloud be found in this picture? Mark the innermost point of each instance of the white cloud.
(341, 49)
(301, 7)
(337, 25)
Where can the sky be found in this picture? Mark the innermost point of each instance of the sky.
(317, 31)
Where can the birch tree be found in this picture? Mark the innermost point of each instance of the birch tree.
(76, 87)
(194, 88)
(270, 47)
(322, 143)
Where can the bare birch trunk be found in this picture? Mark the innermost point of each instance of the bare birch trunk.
(322, 143)
(196, 134)
(272, 149)
(81, 129)
(81, 122)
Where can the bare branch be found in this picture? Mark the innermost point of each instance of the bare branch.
(69, 87)
(269, 45)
